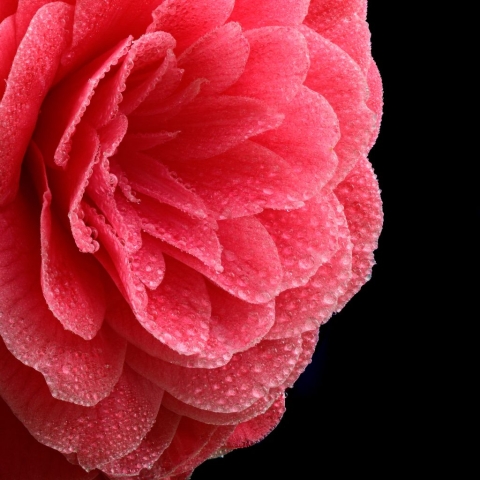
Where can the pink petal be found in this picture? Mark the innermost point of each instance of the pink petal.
(375, 100)
(148, 55)
(235, 326)
(99, 26)
(352, 35)
(256, 429)
(148, 263)
(76, 370)
(305, 238)
(21, 456)
(234, 387)
(8, 50)
(251, 267)
(166, 86)
(306, 140)
(211, 126)
(339, 79)
(360, 196)
(191, 437)
(151, 177)
(220, 418)
(26, 10)
(64, 269)
(99, 434)
(243, 181)
(305, 308)
(277, 65)
(151, 448)
(220, 57)
(194, 236)
(324, 14)
(27, 86)
(309, 342)
(68, 186)
(187, 21)
(210, 450)
(66, 105)
(254, 14)
(178, 311)
(154, 114)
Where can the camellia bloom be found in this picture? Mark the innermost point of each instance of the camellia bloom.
(185, 199)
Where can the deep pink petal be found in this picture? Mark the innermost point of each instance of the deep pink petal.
(352, 35)
(148, 56)
(190, 438)
(76, 370)
(339, 79)
(98, 26)
(211, 450)
(375, 100)
(151, 448)
(243, 181)
(27, 86)
(305, 238)
(277, 65)
(65, 106)
(211, 126)
(234, 387)
(187, 21)
(306, 140)
(148, 263)
(305, 308)
(360, 197)
(254, 14)
(155, 113)
(178, 311)
(151, 177)
(8, 50)
(220, 57)
(309, 342)
(254, 430)
(64, 269)
(98, 435)
(194, 236)
(22, 457)
(221, 418)
(323, 14)
(251, 267)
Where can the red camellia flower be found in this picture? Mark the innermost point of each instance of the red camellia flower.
(185, 199)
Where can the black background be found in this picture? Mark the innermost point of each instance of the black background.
(350, 409)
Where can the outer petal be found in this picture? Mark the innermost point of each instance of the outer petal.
(97, 435)
(305, 238)
(339, 79)
(23, 457)
(324, 14)
(27, 86)
(254, 430)
(257, 370)
(151, 448)
(360, 196)
(76, 370)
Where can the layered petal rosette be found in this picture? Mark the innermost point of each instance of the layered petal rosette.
(185, 199)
